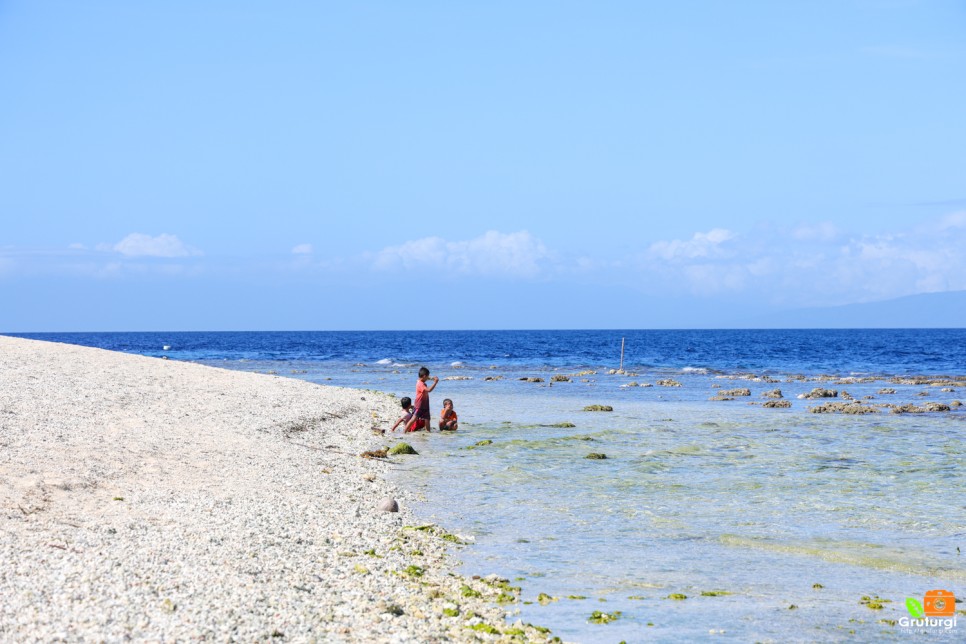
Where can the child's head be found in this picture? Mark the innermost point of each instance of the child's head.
(406, 402)
(447, 403)
(423, 373)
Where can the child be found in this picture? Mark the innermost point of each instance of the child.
(422, 418)
(407, 405)
(447, 418)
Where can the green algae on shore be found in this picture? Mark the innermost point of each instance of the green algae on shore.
(402, 448)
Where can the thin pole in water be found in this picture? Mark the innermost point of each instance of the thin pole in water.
(622, 356)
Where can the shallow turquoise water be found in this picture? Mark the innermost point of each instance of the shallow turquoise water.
(695, 496)
(698, 496)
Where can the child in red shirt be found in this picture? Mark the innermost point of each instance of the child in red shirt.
(421, 418)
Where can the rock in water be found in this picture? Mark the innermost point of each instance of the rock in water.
(389, 505)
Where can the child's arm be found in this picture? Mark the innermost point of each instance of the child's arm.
(412, 419)
(433, 386)
(398, 423)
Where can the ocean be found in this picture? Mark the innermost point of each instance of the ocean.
(712, 516)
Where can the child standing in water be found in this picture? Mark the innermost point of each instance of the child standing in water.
(422, 418)
(447, 418)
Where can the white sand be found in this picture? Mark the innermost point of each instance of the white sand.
(156, 500)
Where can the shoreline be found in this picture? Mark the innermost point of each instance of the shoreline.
(158, 499)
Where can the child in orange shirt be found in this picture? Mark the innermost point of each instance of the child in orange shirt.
(447, 418)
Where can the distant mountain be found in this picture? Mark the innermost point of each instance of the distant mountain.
(928, 310)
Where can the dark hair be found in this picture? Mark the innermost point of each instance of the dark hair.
(405, 401)
(447, 400)
(423, 371)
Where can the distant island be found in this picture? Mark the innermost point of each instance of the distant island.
(927, 310)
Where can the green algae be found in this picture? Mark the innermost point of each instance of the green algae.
(714, 593)
(484, 628)
(466, 591)
(677, 596)
(402, 448)
(452, 538)
(414, 571)
(596, 456)
(451, 612)
(545, 599)
(874, 602)
(598, 408)
(576, 597)
(600, 617)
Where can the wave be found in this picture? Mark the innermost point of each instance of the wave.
(698, 370)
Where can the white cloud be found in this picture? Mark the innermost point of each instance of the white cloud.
(164, 245)
(494, 253)
(707, 244)
(953, 220)
(811, 265)
(302, 249)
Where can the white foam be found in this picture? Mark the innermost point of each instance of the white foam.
(384, 361)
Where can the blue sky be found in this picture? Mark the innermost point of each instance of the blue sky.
(387, 165)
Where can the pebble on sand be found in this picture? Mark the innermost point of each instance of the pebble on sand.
(389, 505)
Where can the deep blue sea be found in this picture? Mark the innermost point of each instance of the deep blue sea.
(838, 351)
(773, 524)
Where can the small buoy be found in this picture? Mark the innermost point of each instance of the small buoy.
(389, 505)
(166, 347)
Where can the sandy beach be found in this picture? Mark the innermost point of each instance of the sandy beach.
(150, 499)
